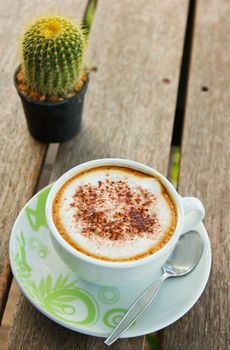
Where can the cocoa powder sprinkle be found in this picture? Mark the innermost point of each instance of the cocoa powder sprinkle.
(114, 210)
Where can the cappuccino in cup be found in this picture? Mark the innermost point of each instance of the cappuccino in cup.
(115, 221)
(114, 213)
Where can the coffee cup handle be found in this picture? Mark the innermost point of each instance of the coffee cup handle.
(193, 212)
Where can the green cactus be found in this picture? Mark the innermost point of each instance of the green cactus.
(53, 50)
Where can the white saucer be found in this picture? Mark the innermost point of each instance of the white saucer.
(86, 308)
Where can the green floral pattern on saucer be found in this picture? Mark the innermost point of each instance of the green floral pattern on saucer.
(36, 213)
(37, 245)
(112, 317)
(109, 295)
(55, 297)
(22, 268)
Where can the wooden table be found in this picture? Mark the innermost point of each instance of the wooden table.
(140, 95)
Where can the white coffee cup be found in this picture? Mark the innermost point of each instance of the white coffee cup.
(189, 209)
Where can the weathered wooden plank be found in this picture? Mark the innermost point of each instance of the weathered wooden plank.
(205, 172)
(20, 156)
(129, 113)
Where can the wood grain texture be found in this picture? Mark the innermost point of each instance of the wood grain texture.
(205, 173)
(129, 113)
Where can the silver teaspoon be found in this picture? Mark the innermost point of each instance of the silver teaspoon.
(182, 260)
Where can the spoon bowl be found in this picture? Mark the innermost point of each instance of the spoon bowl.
(185, 256)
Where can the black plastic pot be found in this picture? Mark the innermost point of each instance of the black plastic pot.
(53, 121)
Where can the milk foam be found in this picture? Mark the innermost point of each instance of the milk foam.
(125, 247)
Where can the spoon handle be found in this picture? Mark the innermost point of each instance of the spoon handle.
(136, 309)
